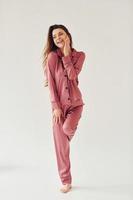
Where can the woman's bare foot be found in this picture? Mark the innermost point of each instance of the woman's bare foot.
(66, 188)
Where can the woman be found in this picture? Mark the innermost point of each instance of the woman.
(62, 64)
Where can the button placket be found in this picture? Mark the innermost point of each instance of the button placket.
(67, 88)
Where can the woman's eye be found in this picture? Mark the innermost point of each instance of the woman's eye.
(59, 35)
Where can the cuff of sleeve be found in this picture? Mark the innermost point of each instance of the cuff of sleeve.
(55, 105)
(66, 59)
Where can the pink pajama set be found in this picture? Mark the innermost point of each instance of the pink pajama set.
(62, 74)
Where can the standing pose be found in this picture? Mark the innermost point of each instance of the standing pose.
(62, 65)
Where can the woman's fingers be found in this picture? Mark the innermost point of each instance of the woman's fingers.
(57, 117)
(68, 40)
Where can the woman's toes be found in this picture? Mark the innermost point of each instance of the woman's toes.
(66, 188)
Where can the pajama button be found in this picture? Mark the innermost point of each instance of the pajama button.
(66, 87)
(65, 75)
(68, 98)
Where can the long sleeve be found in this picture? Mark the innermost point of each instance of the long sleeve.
(51, 62)
(73, 70)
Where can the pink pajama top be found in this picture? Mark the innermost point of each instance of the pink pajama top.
(62, 74)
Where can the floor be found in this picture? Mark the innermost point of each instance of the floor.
(33, 182)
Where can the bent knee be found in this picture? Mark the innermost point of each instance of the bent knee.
(68, 130)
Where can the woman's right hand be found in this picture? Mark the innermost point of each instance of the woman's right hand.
(57, 113)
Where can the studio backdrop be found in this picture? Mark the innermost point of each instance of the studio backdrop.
(101, 150)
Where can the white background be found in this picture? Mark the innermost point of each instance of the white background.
(101, 150)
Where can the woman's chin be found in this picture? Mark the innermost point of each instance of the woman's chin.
(60, 46)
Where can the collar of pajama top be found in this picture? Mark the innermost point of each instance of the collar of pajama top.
(64, 88)
(60, 54)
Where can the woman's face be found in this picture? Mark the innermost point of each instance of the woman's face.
(59, 36)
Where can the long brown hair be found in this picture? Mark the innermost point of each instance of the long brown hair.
(50, 45)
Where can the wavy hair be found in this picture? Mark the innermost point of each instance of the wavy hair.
(50, 46)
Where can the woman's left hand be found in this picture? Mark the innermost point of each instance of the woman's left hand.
(67, 48)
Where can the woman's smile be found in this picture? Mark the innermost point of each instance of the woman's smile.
(59, 37)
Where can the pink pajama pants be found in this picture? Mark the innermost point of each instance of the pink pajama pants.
(62, 132)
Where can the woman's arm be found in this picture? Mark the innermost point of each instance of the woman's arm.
(51, 62)
(73, 70)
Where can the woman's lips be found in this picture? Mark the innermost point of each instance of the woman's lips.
(60, 42)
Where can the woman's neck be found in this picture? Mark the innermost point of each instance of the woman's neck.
(62, 50)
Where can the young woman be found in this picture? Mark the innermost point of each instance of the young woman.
(62, 65)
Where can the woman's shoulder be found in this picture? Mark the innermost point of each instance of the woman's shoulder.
(52, 57)
(79, 53)
(52, 54)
